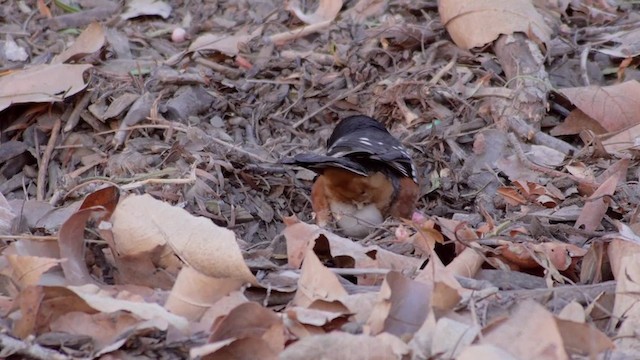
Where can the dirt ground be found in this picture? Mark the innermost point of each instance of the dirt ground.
(515, 143)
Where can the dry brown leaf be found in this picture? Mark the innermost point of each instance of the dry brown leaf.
(339, 345)
(27, 270)
(137, 8)
(576, 122)
(299, 235)
(7, 216)
(327, 11)
(225, 44)
(625, 265)
(98, 204)
(42, 83)
(364, 9)
(511, 196)
(317, 283)
(451, 337)
(144, 223)
(42, 305)
(194, 293)
(583, 339)
(222, 307)
(249, 331)
(614, 107)
(235, 349)
(313, 317)
(484, 352)
(623, 140)
(477, 23)
(402, 307)
(105, 302)
(529, 333)
(88, 42)
(71, 241)
(103, 328)
(598, 203)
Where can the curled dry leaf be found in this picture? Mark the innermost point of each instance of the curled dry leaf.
(42, 83)
(90, 40)
(141, 223)
(317, 283)
(299, 235)
(598, 203)
(477, 23)
(327, 11)
(249, 331)
(71, 235)
(194, 293)
(402, 307)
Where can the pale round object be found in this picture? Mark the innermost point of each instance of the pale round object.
(178, 35)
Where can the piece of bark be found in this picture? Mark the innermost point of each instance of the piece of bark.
(523, 64)
(188, 101)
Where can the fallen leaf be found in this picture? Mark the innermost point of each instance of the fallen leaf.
(7, 216)
(194, 293)
(474, 24)
(596, 206)
(105, 302)
(402, 307)
(451, 337)
(226, 44)
(42, 83)
(327, 11)
(614, 107)
(530, 332)
(88, 42)
(137, 8)
(576, 122)
(583, 339)
(210, 249)
(317, 283)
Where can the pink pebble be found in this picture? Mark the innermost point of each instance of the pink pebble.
(178, 35)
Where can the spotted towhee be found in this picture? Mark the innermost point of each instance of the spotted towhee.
(366, 176)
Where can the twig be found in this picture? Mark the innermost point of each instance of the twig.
(526, 131)
(583, 65)
(283, 37)
(46, 157)
(533, 166)
(74, 118)
(325, 106)
(29, 237)
(10, 345)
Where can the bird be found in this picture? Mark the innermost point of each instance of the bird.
(365, 176)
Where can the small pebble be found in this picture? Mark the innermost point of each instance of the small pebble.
(178, 35)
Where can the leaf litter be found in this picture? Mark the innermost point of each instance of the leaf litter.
(143, 211)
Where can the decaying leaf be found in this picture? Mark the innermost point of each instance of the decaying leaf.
(42, 83)
(473, 24)
(327, 11)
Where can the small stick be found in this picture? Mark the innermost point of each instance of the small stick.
(46, 157)
(74, 118)
(325, 106)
